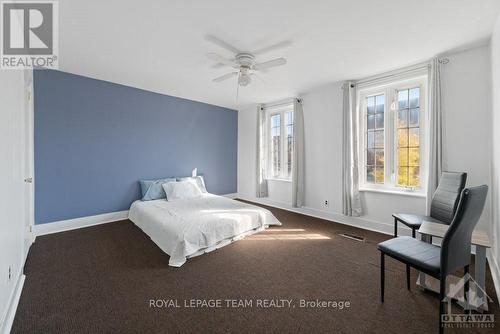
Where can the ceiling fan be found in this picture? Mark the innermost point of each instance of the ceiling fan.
(244, 64)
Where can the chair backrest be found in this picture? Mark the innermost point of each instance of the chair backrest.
(456, 246)
(445, 199)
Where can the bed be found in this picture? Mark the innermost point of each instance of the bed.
(187, 228)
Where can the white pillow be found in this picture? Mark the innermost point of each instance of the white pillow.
(200, 182)
(181, 190)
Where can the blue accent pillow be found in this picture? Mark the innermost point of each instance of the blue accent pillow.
(152, 189)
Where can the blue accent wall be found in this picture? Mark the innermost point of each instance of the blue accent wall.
(94, 140)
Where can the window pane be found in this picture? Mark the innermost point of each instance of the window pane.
(379, 139)
(380, 102)
(414, 176)
(414, 137)
(289, 117)
(379, 174)
(403, 99)
(379, 121)
(371, 122)
(370, 157)
(402, 137)
(402, 118)
(275, 120)
(370, 105)
(403, 157)
(414, 157)
(414, 117)
(370, 174)
(414, 97)
(402, 176)
(370, 138)
(379, 157)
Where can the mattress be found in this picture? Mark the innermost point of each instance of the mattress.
(187, 228)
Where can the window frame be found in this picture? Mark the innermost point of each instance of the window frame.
(271, 111)
(390, 92)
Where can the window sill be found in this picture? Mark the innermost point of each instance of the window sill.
(394, 192)
(279, 180)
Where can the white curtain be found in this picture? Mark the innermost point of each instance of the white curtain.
(298, 161)
(351, 203)
(261, 153)
(435, 130)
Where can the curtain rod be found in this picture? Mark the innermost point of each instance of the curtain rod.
(280, 103)
(391, 74)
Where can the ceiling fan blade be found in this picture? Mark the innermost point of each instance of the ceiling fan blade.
(221, 60)
(269, 64)
(273, 47)
(222, 44)
(225, 77)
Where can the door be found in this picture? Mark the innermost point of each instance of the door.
(28, 162)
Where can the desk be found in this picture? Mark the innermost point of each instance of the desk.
(481, 240)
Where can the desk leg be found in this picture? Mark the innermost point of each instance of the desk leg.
(480, 270)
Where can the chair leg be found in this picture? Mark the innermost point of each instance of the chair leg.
(442, 293)
(382, 276)
(413, 233)
(408, 276)
(466, 289)
(395, 227)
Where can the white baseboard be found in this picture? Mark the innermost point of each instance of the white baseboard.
(495, 271)
(76, 223)
(6, 325)
(73, 224)
(366, 224)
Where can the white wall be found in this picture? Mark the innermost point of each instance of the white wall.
(466, 95)
(12, 191)
(467, 104)
(495, 189)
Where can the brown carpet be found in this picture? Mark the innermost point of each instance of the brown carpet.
(101, 279)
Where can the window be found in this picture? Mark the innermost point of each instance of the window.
(276, 145)
(391, 125)
(375, 106)
(289, 143)
(408, 135)
(280, 120)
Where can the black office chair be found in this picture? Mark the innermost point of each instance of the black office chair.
(443, 206)
(435, 261)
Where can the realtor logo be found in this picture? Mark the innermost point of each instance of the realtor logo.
(29, 34)
(476, 299)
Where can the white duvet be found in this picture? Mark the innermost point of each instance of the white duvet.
(187, 228)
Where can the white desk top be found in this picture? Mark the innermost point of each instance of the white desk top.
(479, 238)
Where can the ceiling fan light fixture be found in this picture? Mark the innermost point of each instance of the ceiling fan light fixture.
(243, 63)
(244, 80)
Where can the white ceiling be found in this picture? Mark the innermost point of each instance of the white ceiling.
(159, 45)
